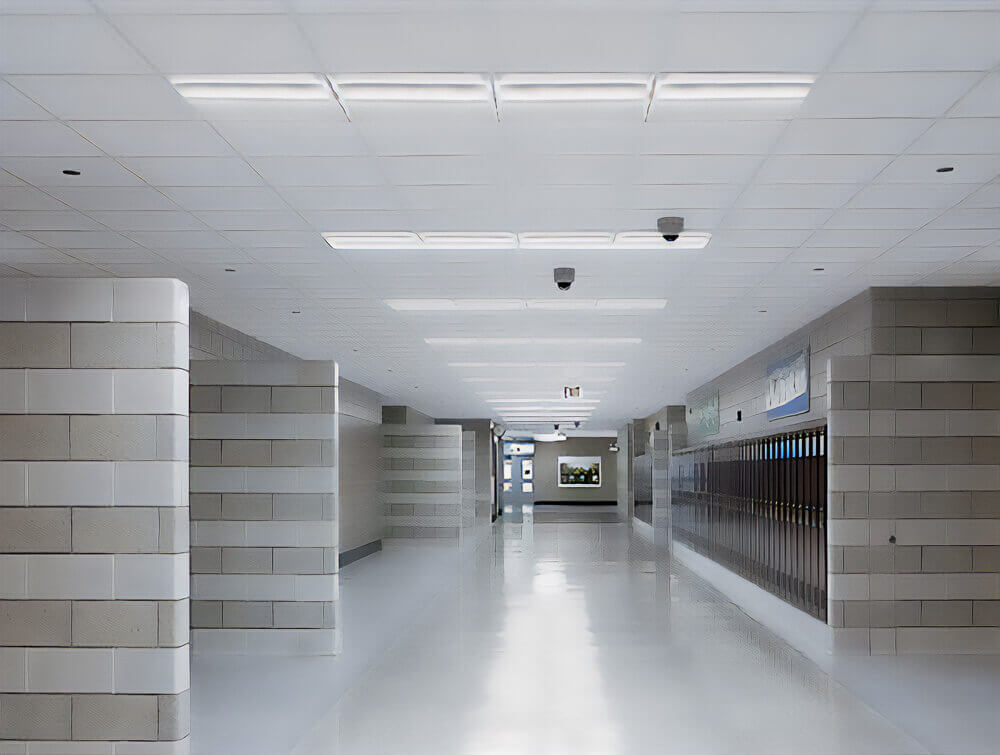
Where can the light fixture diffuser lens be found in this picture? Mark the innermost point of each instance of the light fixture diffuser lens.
(252, 87)
(573, 240)
(412, 87)
(653, 240)
(374, 240)
(572, 87)
(732, 86)
(484, 240)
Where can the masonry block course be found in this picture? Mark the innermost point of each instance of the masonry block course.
(422, 480)
(914, 476)
(264, 506)
(93, 512)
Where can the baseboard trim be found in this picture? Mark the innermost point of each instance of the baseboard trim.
(576, 503)
(354, 554)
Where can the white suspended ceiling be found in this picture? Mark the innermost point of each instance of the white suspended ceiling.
(808, 200)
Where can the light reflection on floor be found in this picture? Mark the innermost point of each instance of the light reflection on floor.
(575, 638)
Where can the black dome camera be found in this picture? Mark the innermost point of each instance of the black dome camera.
(670, 228)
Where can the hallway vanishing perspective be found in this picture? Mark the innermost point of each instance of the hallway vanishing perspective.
(577, 638)
(522, 377)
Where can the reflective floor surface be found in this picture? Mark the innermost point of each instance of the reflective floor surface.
(554, 638)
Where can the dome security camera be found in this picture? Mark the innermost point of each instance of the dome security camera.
(564, 277)
(670, 228)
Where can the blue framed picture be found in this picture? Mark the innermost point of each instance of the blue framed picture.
(787, 389)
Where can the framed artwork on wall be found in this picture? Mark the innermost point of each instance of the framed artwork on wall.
(579, 471)
(786, 391)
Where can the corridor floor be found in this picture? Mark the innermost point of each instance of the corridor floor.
(560, 638)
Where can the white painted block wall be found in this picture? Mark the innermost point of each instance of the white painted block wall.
(93, 515)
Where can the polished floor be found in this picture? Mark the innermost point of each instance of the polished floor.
(558, 638)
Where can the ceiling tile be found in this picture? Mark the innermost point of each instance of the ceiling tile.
(350, 197)
(842, 136)
(906, 219)
(220, 43)
(886, 95)
(293, 138)
(193, 171)
(319, 171)
(26, 138)
(923, 169)
(709, 137)
(14, 106)
(678, 169)
(88, 198)
(153, 138)
(232, 198)
(960, 136)
(47, 220)
(916, 43)
(247, 220)
(96, 98)
(890, 196)
(160, 220)
(64, 44)
(983, 100)
(48, 171)
(27, 198)
(821, 168)
(792, 195)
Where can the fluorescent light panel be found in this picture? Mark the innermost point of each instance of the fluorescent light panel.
(653, 240)
(412, 87)
(529, 341)
(535, 364)
(550, 240)
(506, 305)
(530, 240)
(731, 86)
(277, 86)
(505, 380)
(572, 87)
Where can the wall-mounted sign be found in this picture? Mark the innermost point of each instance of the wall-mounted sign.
(579, 471)
(704, 413)
(787, 389)
(518, 449)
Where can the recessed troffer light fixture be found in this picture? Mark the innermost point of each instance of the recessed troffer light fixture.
(275, 86)
(653, 240)
(441, 240)
(546, 240)
(412, 87)
(572, 87)
(731, 86)
(506, 305)
(529, 341)
(484, 240)
(587, 365)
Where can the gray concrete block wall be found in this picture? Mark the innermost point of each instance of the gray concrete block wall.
(422, 480)
(914, 458)
(210, 339)
(844, 331)
(264, 524)
(93, 515)
(360, 463)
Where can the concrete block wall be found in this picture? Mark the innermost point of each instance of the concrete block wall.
(264, 507)
(93, 516)
(468, 521)
(844, 331)
(914, 476)
(422, 480)
(211, 339)
(360, 506)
